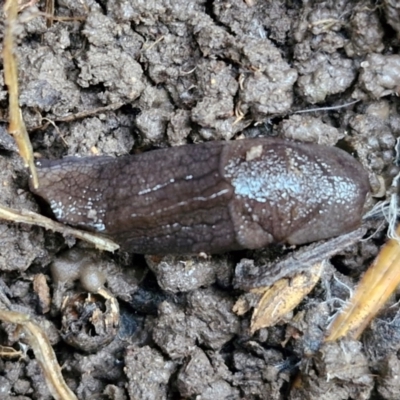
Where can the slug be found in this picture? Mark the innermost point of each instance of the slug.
(212, 197)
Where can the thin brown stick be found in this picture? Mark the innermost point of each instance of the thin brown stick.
(16, 126)
(44, 353)
(31, 218)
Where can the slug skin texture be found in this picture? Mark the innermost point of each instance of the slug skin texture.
(211, 197)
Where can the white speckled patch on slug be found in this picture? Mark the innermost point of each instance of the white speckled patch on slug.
(273, 181)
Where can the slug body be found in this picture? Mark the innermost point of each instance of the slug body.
(211, 197)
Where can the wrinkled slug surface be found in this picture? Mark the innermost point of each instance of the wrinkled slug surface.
(211, 197)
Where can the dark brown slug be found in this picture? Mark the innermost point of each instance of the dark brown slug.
(211, 197)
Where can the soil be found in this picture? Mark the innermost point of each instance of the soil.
(131, 76)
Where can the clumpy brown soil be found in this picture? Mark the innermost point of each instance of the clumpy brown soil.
(133, 75)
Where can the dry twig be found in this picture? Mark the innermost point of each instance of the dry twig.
(16, 124)
(31, 218)
(44, 353)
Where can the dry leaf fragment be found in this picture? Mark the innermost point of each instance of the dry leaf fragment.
(41, 288)
(283, 296)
